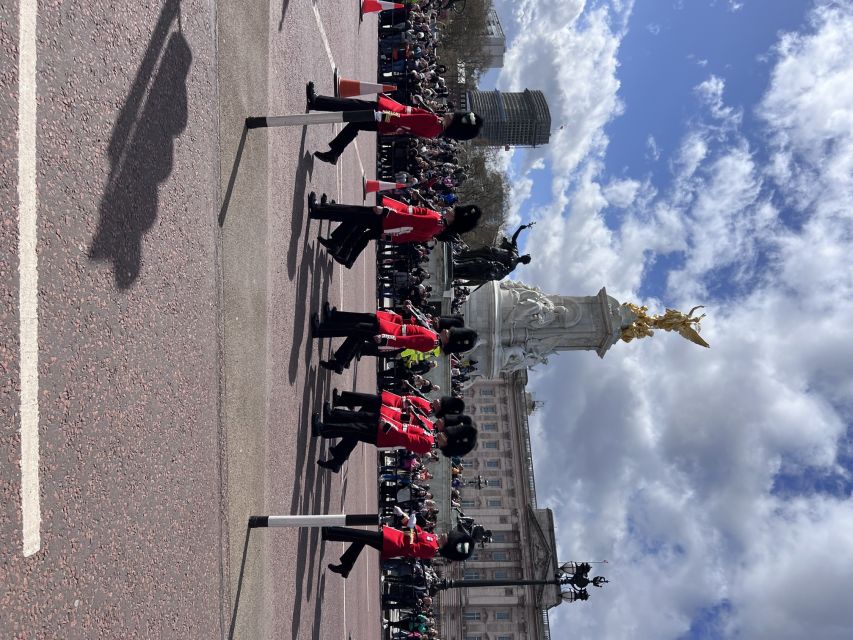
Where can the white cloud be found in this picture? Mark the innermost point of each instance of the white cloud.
(621, 193)
(652, 149)
(663, 457)
(711, 93)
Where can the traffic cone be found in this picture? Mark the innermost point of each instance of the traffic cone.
(375, 186)
(375, 6)
(346, 88)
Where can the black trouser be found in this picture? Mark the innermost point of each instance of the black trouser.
(350, 131)
(352, 427)
(364, 401)
(348, 323)
(359, 225)
(359, 538)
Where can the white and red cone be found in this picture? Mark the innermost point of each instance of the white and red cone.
(375, 6)
(375, 186)
(346, 88)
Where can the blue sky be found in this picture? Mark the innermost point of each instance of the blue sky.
(706, 157)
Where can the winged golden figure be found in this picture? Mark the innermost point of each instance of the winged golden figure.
(673, 320)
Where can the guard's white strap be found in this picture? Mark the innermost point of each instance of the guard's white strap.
(398, 231)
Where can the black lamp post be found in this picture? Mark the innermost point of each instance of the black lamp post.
(565, 577)
(478, 482)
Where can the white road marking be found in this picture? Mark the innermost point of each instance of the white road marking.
(28, 275)
(325, 40)
(323, 37)
(358, 157)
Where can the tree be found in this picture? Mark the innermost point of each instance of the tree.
(463, 40)
(487, 188)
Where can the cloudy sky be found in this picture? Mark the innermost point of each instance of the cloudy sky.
(702, 153)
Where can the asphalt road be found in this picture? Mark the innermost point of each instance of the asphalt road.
(176, 272)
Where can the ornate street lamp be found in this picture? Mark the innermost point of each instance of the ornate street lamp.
(570, 574)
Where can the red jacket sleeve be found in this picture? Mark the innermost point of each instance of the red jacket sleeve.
(411, 437)
(391, 399)
(421, 403)
(389, 316)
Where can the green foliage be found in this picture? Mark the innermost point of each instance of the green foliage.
(486, 187)
(463, 38)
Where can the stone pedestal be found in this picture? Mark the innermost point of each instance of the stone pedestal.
(520, 326)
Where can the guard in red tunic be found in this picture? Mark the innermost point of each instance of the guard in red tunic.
(384, 331)
(438, 407)
(398, 543)
(453, 435)
(392, 118)
(393, 221)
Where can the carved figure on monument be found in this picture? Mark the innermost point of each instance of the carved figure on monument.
(517, 358)
(684, 324)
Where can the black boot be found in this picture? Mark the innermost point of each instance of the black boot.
(312, 204)
(329, 311)
(332, 365)
(315, 325)
(316, 425)
(329, 465)
(330, 246)
(340, 569)
(326, 156)
(310, 96)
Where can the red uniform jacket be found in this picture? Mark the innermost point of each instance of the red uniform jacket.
(410, 224)
(395, 543)
(395, 415)
(405, 336)
(410, 121)
(390, 432)
(393, 400)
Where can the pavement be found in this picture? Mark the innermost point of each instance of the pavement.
(176, 273)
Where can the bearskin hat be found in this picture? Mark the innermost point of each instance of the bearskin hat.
(449, 405)
(460, 339)
(465, 218)
(465, 125)
(458, 547)
(461, 438)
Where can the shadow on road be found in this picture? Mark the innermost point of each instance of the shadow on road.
(284, 6)
(299, 207)
(239, 585)
(233, 178)
(141, 149)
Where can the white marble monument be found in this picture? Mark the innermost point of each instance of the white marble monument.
(520, 326)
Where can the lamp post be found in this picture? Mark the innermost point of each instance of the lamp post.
(478, 482)
(567, 575)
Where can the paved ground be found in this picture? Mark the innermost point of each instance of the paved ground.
(177, 269)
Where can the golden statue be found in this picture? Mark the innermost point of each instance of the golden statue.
(686, 325)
